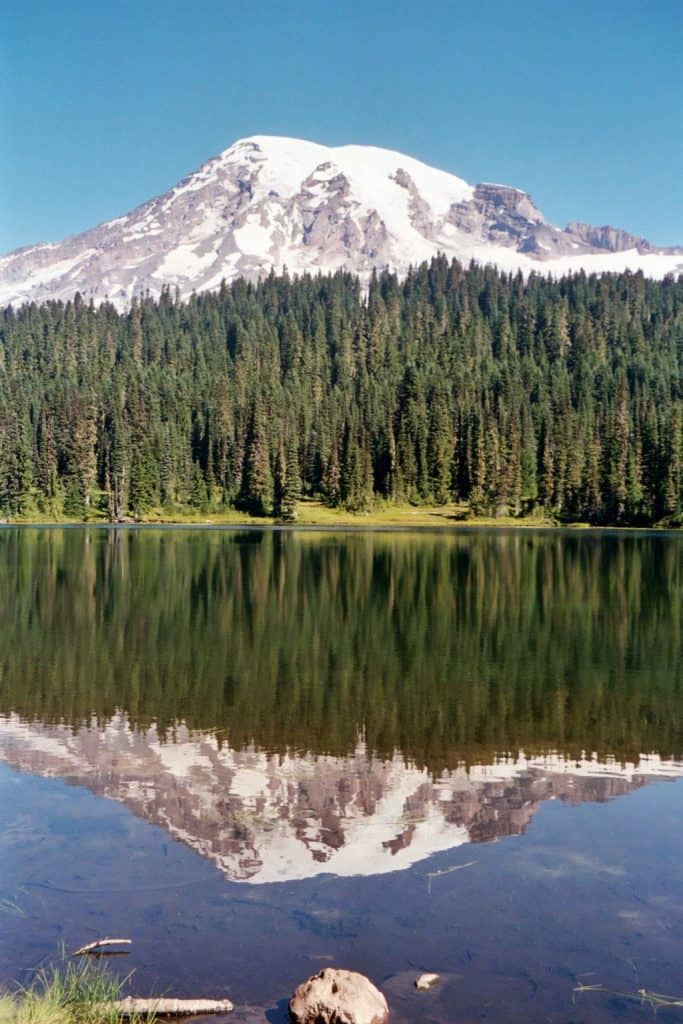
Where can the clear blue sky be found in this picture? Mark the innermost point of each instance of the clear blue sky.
(104, 105)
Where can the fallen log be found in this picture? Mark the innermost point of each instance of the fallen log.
(133, 1007)
(91, 947)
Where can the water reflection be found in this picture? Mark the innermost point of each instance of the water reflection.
(450, 649)
(283, 817)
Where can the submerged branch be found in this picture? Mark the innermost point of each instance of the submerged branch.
(429, 875)
(93, 947)
(642, 996)
(133, 1007)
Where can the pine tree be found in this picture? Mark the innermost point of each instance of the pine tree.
(440, 446)
(331, 483)
(292, 489)
(257, 485)
(279, 481)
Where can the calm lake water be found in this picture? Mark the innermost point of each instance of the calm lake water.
(259, 753)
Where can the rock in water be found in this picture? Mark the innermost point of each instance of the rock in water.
(426, 981)
(338, 997)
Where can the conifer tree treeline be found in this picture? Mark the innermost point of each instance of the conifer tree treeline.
(453, 384)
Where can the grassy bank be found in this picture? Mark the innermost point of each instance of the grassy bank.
(316, 514)
(72, 994)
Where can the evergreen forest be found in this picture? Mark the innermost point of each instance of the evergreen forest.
(512, 396)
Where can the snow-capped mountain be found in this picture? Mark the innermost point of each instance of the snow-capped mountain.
(268, 203)
(271, 818)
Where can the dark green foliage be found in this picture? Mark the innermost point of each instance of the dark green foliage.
(256, 493)
(453, 385)
(291, 494)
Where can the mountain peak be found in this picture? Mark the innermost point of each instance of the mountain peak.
(270, 201)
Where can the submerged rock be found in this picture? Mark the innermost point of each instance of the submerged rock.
(338, 997)
(426, 981)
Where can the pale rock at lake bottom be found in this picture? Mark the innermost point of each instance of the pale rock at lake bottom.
(338, 997)
(426, 981)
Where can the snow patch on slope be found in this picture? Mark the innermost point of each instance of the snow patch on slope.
(183, 261)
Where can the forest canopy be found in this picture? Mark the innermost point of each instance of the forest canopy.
(511, 395)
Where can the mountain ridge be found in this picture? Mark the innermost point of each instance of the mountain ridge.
(269, 203)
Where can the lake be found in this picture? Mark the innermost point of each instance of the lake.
(257, 753)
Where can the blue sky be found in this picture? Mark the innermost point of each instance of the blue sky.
(104, 105)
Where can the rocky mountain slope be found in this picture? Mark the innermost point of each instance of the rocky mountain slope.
(271, 818)
(268, 203)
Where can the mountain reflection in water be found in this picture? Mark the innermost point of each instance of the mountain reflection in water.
(277, 818)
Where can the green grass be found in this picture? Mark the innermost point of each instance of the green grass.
(74, 993)
(312, 512)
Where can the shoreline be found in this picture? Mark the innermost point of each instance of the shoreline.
(315, 517)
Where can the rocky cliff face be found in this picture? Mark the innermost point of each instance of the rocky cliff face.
(267, 818)
(607, 238)
(268, 203)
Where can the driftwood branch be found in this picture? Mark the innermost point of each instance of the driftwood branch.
(132, 1007)
(92, 946)
(446, 871)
